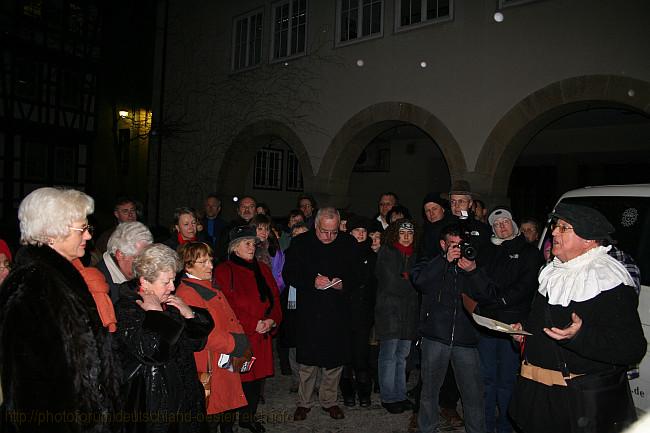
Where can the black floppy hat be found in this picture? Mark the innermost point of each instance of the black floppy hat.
(587, 222)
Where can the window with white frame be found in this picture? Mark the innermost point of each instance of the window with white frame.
(359, 19)
(289, 28)
(412, 13)
(267, 170)
(247, 41)
(294, 173)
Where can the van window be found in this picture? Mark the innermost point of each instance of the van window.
(630, 216)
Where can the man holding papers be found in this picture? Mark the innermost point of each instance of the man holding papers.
(321, 265)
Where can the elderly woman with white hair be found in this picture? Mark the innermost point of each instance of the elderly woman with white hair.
(157, 338)
(55, 352)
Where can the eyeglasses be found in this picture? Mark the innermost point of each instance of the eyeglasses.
(502, 224)
(5, 265)
(560, 227)
(85, 228)
(328, 232)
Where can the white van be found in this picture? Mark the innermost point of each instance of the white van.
(627, 207)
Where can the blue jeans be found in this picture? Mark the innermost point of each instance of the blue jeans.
(467, 371)
(499, 366)
(392, 369)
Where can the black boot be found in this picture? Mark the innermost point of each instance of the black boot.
(364, 389)
(347, 387)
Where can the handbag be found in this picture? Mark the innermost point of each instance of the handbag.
(601, 402)
(206, 378)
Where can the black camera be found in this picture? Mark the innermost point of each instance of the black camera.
(467, 247)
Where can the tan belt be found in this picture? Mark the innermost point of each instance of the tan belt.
(543, 375)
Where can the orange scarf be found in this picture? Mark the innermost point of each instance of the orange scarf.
(99, 290)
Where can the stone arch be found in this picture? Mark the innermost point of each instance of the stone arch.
(514, 131)
(242, 150)
(360, 129)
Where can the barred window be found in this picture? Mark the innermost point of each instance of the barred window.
(267, 172)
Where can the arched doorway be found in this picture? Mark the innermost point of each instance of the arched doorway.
(402, 159)
(556, 134)
(283, 167)
(395, 124)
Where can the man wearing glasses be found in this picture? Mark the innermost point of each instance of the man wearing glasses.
(460, 203)
(321, 265)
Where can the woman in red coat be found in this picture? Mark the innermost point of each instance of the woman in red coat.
(253, 295)
(227, 337)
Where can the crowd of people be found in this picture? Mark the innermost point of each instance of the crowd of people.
(128, 334)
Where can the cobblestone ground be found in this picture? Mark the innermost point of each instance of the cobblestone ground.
(277, 414)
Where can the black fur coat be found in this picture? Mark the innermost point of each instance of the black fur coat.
(161, 386)
(58, 371)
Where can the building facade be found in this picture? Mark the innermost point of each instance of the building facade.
(272, 97)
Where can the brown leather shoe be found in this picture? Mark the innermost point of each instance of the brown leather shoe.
(301, 413)
(452, 416)
(335, 412)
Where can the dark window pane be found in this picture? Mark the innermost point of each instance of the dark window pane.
(405, 13)
(416, 11)
(376, 18)
(365, 20)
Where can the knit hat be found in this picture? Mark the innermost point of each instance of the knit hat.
(502, 213)
(587, 222)
(358, 222)
(498, 214)
(435, 197)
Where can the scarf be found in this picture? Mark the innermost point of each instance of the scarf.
(99, 290)
(407, 251)
(262, 287)
(113, 269)
(583, 277)
(182, 241)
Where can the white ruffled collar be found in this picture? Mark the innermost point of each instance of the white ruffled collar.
(583, 277)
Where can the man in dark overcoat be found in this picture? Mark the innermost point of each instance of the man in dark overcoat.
(320, 264)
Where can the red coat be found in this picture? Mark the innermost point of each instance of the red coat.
(239, 286)
(225, 387)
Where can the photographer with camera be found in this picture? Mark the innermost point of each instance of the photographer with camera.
(475, 234)
(448, 332)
